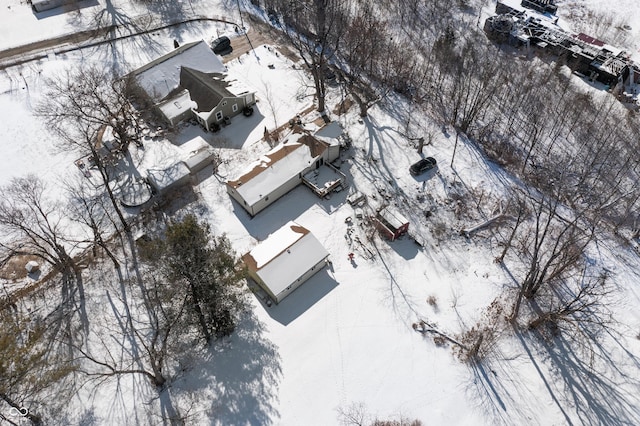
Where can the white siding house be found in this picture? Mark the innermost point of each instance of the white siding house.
(285, 260)
(279, 171)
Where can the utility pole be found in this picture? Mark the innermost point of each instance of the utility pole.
(240, 13)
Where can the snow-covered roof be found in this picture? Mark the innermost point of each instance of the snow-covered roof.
(277, 167)
(195, 145)
(163, 179)
(176, 106)
(200, 154)
(162, 76)
(284, 256)
(331, 130)
(207, 90)
(394, 217)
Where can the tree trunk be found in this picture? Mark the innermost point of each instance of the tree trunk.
(455, 147)
(201, 318)
(507, 245)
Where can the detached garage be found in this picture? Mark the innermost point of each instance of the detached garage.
(285, 260)
(165, 180)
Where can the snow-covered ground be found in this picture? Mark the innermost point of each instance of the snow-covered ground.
(345, 337)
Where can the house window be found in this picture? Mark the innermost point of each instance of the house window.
(219, 116)
(234, 108)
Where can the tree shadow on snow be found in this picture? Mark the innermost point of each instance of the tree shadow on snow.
(598, 389)
(286, 208)
(239, 375)
(587, 384)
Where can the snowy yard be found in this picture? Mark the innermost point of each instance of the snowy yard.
(346, 339)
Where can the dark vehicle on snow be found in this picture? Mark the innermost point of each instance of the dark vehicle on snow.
(422, 166)
(221, 45)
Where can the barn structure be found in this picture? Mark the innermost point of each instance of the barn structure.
(285, 260)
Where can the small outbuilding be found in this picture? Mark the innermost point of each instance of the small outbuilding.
(285, 260)
(32, 267)
(391, 223)
(164, 181)
(200, 154)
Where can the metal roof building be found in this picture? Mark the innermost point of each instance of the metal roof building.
(285, 260)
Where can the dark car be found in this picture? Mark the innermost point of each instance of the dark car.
(422, 166)
(221, 45)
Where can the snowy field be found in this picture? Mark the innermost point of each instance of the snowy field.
(345, 338)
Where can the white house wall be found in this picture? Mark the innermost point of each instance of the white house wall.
(268, 199)
(332, 153)
(301, 280)
(262, 285)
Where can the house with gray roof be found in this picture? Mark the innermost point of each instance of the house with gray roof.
(215, 96)
(191, 81)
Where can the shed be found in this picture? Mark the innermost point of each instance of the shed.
(200, 154)
(200, 159)
(391, 223)
(165, 180)
(285, 260)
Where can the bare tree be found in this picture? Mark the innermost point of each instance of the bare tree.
(552, 247)
(153, 340)
(571, 307)
(91, 210)
(521, 213)
(34, 224)
(370, 62)
(315, 29)
(80, 106)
